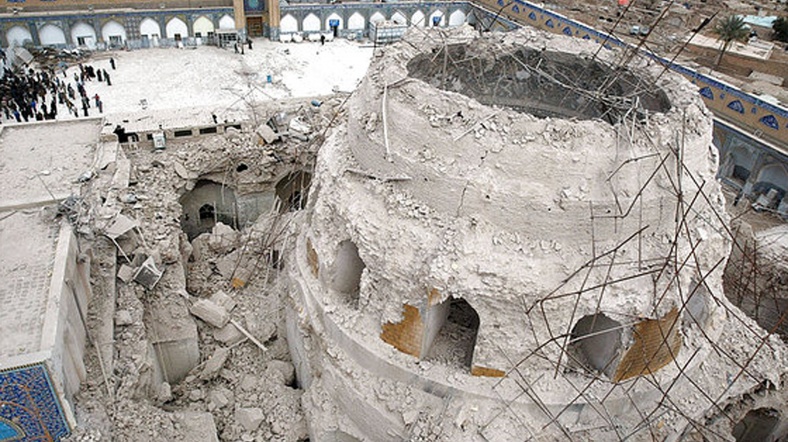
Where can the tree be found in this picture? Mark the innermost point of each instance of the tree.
(730, 29)
(780, 27)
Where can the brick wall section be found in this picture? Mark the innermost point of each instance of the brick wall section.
(738, 63)
(405, 335)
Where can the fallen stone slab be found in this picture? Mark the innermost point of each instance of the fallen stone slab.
(197, 426)
(126, 273)
(210, 312)
(223, 299)
(249, 418)
(228, 335)
(215, 364)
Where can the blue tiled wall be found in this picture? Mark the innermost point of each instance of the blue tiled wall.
(28, 404)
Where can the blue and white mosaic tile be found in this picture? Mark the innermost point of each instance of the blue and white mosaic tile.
(29, 408)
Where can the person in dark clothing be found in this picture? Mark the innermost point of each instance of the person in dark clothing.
(16, 115)
(120, 131)
(100, 77)
(249, 40)
(112, 63)
(322, 39)
(236, 47)
(215, 120)
(106, 77)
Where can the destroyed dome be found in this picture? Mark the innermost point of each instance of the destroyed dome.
(452, 240)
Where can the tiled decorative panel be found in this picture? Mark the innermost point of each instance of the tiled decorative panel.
(29, 408)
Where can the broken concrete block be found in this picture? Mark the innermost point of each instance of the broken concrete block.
(264, 329)
(120, 180)
(120, 225)
(223, 238)
(148, 275)
(196, 425)
(267, 134)
(196, 395)
(211, 313)
(226, 265)
(219, 397)
(228, 335)
(200, 247)
(170, 252)
(282, 370)
(214, 364)
(181, 170)
(249, 418)
(126, 273)
(223, 299)
(123, 317)
(164, 393)
(248, 382)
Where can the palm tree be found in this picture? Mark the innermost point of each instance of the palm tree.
(729, 29)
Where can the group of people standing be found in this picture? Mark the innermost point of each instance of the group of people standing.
(39, 94)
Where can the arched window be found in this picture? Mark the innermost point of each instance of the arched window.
(348, 267)
(207, 211)
(596, 343)
(454, 324)
(758, 425)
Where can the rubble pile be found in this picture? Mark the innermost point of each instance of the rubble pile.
(200, 351)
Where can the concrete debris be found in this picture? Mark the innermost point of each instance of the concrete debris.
(251, 336)
(214, 365)
(227, 265)
(181, 171)
(223, 238)
(120, 225)
(210, 312)
(123, 317)
(220, 397)
(126, 273)
(196, 426)
(157, 340)
(260, 327)
(280, 371)
(147, 274)
(228, 335)
(120, 180)
(249, 418)
(267, 134)
(224, 300)
(164, 393)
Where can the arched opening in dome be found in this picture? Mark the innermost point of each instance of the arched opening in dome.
(451, 328)
(758, 425)
(348, 268)
(595, 344)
